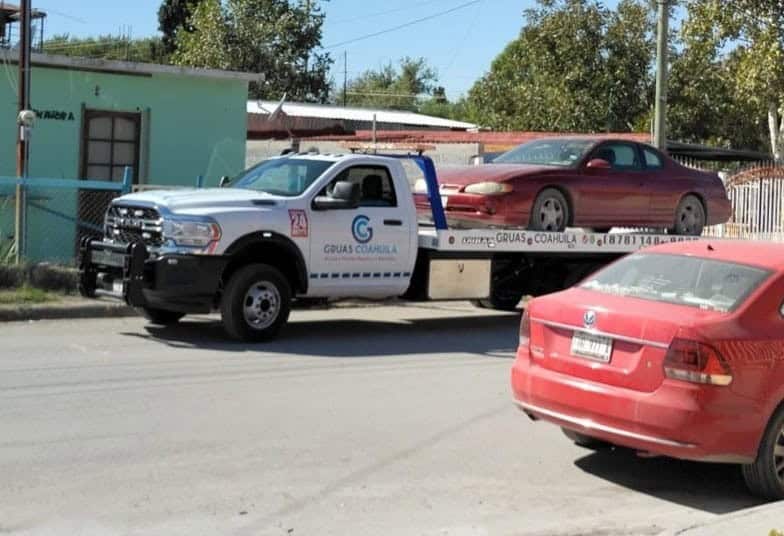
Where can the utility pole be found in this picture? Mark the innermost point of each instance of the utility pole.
(22, 149)
(660, 115)
(345, 78)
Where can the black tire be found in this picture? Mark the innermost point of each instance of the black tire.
(765, 477)
(550, 212)
(160, 317)
(690, 217)
(499, 302)
(260, 292)
(582, 440)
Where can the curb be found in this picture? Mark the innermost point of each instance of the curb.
(757, 521)
(92, 309)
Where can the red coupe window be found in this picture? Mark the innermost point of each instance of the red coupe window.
(693, 281)
(563, 152)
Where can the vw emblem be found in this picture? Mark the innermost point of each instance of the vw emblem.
(589, 319)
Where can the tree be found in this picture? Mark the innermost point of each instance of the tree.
(276, 38)
(576, 66)
(108, 47)
(398, 87)
(704, 104)
(748, 36)
(173, 15)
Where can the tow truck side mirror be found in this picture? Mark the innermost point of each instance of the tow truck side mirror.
(345, 195)
(224, 181)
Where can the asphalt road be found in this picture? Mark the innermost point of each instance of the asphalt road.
(367, 421)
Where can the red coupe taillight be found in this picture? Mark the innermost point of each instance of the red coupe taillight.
(697, 362)
(525, 329)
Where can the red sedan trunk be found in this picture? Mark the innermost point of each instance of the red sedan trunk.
(695, 373)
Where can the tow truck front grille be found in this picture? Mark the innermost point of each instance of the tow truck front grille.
(126, 224)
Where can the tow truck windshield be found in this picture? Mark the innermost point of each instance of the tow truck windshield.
(288, 177)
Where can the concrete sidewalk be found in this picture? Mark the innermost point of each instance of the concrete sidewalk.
(759, 521)
(69, 307)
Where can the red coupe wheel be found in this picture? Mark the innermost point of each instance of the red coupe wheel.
(689, 217)
(550, 212)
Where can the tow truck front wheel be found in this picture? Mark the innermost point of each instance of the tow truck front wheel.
(256, 303)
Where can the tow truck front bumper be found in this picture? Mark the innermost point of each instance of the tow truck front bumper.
(171, 282)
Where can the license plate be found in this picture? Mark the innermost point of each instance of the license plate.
(592, 346)
(117, 287)
(107, 258)
(444, 200)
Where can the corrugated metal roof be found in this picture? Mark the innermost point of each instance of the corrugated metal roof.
(500, 139)
(295, 109)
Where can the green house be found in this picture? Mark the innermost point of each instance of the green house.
(95, 118)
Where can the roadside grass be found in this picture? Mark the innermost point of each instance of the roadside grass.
(26, 295)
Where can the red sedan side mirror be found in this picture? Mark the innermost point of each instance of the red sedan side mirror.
(598, 163)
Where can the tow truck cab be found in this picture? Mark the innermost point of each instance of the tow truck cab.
(296, 227)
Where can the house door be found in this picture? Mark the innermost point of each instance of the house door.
(110, 143)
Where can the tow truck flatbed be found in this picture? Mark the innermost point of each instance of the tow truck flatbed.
(526, 241)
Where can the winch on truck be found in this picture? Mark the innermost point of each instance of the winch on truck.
(304, 227)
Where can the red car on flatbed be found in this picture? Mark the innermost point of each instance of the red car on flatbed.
(676, 350)
(555, 183)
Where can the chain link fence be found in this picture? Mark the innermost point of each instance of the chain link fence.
(44, 219)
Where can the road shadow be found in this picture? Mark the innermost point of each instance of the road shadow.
(491, 335)
(710, 487)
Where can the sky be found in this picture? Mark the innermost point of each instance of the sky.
(460, 45)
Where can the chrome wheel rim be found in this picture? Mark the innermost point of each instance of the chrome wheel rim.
(691, 218)
(261, 306)
(551, 215)
(778, 456)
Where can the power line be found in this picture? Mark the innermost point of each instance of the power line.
(404, 25)
(388, 12)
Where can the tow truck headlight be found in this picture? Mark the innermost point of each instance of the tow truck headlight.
(191, 232)
(488, 188)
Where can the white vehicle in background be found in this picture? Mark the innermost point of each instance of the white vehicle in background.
(316, 227)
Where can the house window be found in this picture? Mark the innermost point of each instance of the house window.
(110, 144)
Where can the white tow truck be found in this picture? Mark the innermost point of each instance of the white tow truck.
(321, 227)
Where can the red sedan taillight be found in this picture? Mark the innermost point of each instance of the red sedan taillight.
(696, 362)
(525, 329)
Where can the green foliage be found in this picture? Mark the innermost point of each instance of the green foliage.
(173, 15)
(108, 47)
(394, 87)
(740, 44)
(576, 66)
(26, 295)
(276, 38)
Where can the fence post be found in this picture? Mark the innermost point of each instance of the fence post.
(127, 180)
(199, 181)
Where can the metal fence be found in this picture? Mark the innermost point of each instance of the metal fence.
(757, 196)
(43, 219)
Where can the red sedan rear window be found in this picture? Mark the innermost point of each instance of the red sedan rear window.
(693, 281)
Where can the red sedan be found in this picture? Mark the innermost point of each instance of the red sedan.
(551, 184)
(677, 350)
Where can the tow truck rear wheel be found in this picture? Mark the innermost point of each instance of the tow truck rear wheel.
(160, 317)
(256, 303)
